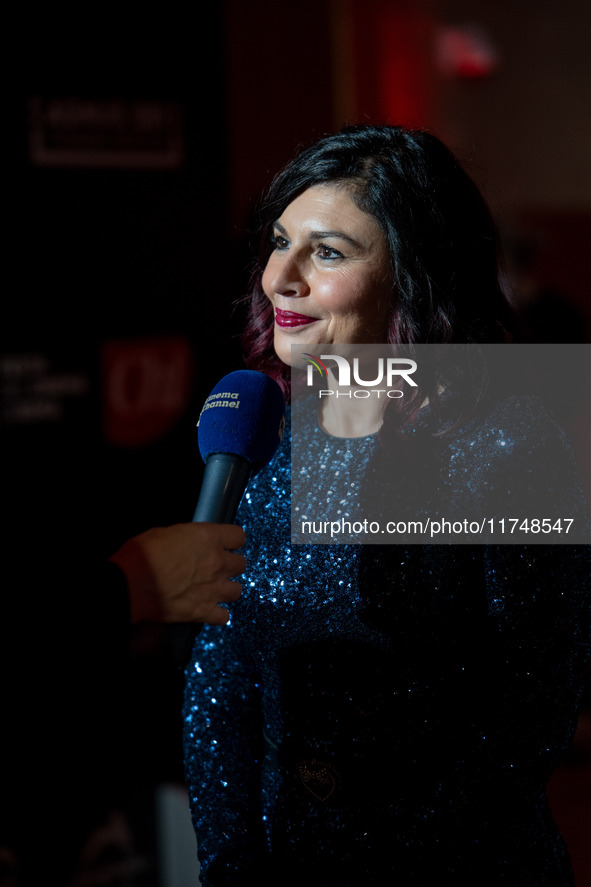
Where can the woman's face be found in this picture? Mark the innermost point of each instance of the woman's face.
(328, 277)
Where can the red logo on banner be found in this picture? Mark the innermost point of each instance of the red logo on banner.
(147, 384)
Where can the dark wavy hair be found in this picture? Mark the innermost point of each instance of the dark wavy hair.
(442, 239)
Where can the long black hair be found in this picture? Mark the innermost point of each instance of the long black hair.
(442, 239)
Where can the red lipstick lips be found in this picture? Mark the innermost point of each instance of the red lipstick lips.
(290, 319)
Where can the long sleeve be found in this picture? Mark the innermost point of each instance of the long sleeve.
(223, 745)
(537, 664)
(539, 604)
(538, 595)
(537, 637)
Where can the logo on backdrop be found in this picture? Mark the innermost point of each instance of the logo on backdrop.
(147, 384)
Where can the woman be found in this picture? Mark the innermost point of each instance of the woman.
(383, 714)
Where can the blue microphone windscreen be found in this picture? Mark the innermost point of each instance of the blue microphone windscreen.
(244, 415)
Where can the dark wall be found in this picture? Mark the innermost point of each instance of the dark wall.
(121, 238)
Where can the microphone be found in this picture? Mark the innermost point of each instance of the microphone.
(239, 429)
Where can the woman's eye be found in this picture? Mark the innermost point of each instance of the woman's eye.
(329, 252)
(279, 242)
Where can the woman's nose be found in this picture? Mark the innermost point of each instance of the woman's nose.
(284, 275)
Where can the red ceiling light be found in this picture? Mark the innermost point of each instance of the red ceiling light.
(466, 51)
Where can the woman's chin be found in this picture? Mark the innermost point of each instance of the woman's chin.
(294, 357)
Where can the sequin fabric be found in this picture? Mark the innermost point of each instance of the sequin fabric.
(387, 714)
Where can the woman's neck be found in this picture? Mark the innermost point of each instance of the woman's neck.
(352, 411)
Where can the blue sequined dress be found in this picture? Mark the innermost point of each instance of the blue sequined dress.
(388, 715)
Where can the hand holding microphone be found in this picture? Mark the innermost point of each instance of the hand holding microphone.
(180, 574)
(239, 429)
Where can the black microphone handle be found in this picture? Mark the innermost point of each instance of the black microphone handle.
(224, 482)
(225, 479)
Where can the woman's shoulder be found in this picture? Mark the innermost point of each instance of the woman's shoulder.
(272, 482)
(518, 455)
(514, 425)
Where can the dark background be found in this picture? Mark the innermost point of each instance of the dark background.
(137, 146)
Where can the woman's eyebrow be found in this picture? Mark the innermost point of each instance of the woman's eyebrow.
(319, 235)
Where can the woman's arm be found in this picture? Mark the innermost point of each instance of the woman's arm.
(540, 609)
(223, 739)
